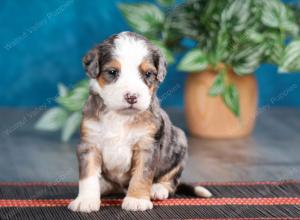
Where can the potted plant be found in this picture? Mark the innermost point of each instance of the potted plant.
(231, 38)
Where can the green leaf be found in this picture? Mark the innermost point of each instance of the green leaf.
(236, 15)
(167, 53)
(220, 48)
(276, 14)
(231, 99)
(291, 58)
(273, 13)
(218, 85)
(248, 59)
(254, 36)
(144, 18)
(71, 125)
(62, 89)
(76, 98)
(193, 61)
(83, 83)
(52, 120)
(274, 47)
(165, 3)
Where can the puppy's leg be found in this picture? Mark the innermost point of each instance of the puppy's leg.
(138, 194)
(168, 179)
(88, 198)
(166, 184)
(108, 187)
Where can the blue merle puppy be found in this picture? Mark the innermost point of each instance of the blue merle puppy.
(128, 143)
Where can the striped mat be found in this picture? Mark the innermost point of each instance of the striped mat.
(237, 200)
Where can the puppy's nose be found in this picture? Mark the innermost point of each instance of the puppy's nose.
(131, 98)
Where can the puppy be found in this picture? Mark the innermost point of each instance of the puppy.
(128, 143)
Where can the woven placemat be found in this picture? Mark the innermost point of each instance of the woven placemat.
(237, 200)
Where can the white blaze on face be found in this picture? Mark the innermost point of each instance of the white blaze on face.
(129, 52)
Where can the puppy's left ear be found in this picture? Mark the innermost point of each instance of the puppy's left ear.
(91, 63)
(161, 64)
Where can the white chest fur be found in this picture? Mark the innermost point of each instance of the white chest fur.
(115, 139)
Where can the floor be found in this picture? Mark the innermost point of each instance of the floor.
(271, 153)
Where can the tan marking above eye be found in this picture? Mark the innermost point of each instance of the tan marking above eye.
(147, 66)
(113, 64)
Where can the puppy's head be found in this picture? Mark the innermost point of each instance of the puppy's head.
(125, 71)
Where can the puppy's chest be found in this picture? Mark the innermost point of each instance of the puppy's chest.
(115, 137)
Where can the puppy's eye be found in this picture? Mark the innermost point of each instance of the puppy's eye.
(113, 72)
(148, 74)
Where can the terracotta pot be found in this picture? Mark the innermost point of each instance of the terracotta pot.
(208, 116)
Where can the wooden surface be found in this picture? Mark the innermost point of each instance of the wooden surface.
(271, 153)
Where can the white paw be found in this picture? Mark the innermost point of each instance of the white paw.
(82, 204)
(134, 204)
(159, 191)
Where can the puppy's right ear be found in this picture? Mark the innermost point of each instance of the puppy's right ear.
(91, 63)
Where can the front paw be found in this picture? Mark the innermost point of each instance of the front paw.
(159, 192)
(135, 204)
(85, 204)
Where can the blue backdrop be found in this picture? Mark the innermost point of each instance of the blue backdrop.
(42, 43)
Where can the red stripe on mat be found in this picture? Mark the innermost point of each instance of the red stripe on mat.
(168, 202)
(202, 184)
